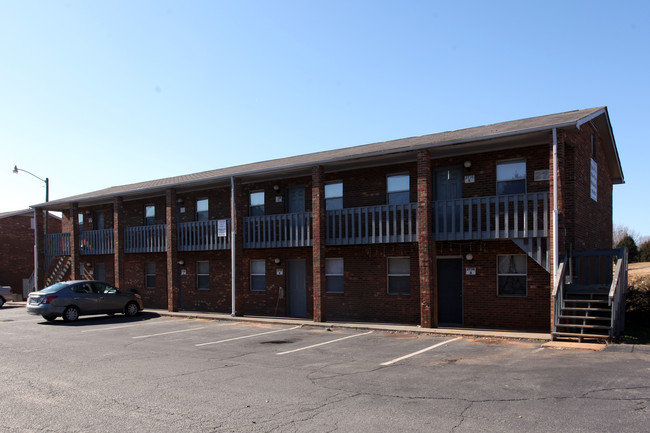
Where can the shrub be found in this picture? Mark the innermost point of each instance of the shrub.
(644, 252)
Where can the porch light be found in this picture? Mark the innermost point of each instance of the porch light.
(276, 260)
(469, 257)
(276, 188)
(467, 164)
(181, 262)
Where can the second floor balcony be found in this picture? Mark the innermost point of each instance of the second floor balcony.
(518, 216)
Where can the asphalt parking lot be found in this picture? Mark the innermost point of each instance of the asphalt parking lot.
(162, 374)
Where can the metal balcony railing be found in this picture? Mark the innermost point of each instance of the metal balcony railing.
(96, 242)
(145, 239)
(278, 231)
(517, 216)
(204, 235)
(372, 224)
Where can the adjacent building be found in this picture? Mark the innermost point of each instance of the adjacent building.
(17, 248)
(464, 228)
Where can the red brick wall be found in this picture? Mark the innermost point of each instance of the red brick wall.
(134, 276)
(17, 246)
(588, 223)
(365, 296)
(482, 307)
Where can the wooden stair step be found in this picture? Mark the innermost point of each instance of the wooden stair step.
(585, 309)
(585, 317)
(570, 325)
(579, 336)
(592, 301)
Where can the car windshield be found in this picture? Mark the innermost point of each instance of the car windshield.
(54, 288)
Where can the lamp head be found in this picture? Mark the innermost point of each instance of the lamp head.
(15, 169)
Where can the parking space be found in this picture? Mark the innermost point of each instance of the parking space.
(169, 374)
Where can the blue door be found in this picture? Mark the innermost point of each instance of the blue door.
(296, 287)
(450, 291)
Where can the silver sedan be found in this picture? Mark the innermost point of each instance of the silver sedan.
(71, 299)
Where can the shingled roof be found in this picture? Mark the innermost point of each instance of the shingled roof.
(568, 119)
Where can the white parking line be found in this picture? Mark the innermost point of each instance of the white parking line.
(169, 332)
(246, 336)
(322, 344)
(419, 352)
(138, 323)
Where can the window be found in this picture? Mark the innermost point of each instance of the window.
(334, 275)
(399, 275)
(397, 187)
(334, 196)
(150, 275)
(80, 219)
(511, 177)
(257, 203)
(203, 275)
(511, 275)
(258, 275)
(202, 209)
(149, 215)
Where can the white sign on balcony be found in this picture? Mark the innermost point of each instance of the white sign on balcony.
(222, 228)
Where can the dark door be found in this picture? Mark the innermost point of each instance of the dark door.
(295, 199)
(450, 291)
(448, 187)
(296, 287)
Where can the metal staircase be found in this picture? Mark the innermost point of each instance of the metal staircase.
(590, 296)
(58, 270)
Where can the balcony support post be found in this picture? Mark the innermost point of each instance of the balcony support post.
(118, 242)
(318, 243)
(236, 246)
(39, 249)
(426, 244)
(75, 259)
(173, 271)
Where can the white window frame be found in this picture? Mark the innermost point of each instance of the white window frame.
(147, 217)
(148, 274)
(252, 287)
(505, 275)
(205, 212)
(330, 276)
(389, 275)
(390, 192)
(257, 206)
(330, 198)
(514, 179)
(199, 275)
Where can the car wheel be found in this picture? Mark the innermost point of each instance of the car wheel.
(131, 309)
(71, 314)
(49, 317)
(2, 301)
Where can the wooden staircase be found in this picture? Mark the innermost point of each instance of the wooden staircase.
(58, 270)
(584, 315)
(589, 296)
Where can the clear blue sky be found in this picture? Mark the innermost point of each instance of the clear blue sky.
(101, 93)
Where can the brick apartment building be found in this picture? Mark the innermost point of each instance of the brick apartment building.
(465, 227)
(17, 246)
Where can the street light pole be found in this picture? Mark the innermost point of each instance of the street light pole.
(47, 190)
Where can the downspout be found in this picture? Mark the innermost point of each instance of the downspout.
(232, 243)
(555, 209)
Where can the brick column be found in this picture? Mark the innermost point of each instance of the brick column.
(118, 241)
(39, 250)
(318, 245)
(237, 245)
(172, 251)
(75, 257)
(426, 245)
